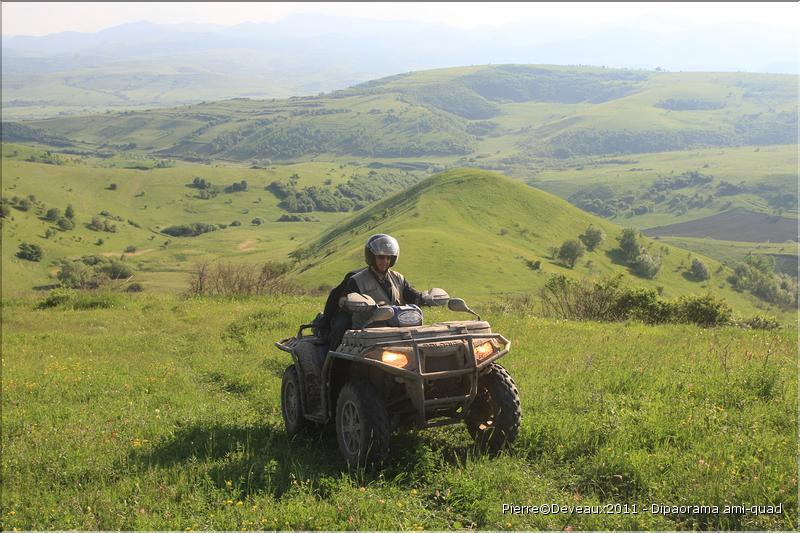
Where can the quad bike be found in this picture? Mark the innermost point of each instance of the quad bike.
(400, 374)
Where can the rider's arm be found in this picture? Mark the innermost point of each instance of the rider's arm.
(412, 295)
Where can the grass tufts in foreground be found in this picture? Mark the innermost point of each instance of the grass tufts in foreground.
(161, 413)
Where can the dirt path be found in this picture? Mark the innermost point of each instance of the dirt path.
(127, 254)
(246, 245)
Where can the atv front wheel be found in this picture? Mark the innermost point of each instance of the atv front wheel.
(362, 424)
(291, 405)
(494, 416)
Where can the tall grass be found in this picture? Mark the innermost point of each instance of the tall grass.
(163, 413)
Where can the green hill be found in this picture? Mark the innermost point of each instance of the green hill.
(558, 128)
(538, 111)
(478, 234)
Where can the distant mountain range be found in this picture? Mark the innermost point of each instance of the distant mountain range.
(146, 64)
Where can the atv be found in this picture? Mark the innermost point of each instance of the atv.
(395, 372)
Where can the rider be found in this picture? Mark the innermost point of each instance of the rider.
(384, 285)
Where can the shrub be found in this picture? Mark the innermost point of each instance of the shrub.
(190, 230)
(608, 300)
(592, 237)
(70, 299)
(646, 265)
(29, 252)
(65, 224)
(229, 279)
(53, 214)
(77, 275)
(699, 270)
(760, 322)
(135, 287)
(236, 223)
(116, 269)
(257, 221)
(570, 252)
(69, 212)
(706, 311)
(130, 249)
(641, 304)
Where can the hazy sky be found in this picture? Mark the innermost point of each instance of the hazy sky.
(42, 18)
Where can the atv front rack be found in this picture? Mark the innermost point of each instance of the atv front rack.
(416, 379)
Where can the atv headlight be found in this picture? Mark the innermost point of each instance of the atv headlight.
(397, 359)
(483, 349)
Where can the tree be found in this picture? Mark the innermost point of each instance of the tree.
(570, 251)
(69, 212)
(5, 211)
(628, 244)
(29, 252)
(592, 237)
(53, 214)
(699, 270)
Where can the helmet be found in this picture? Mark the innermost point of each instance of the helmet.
(381, 244)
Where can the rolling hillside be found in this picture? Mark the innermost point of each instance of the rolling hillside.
(478, 234)
(541, 111)
(558, 128)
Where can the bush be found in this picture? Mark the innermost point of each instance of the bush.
(77, 275)
(30, 252)
(190, 230)
(116, 269)
(53, 214)
(236, 223)
(699, 270)
(592, 237)
(70, 299)
(130, 249)
(256, 221)
(135, 287)
(609, 300)
(760, 322)
(229, 279)
(706, 311)
(570, 252)
(642, 304)
(65, 224)
(646, 265)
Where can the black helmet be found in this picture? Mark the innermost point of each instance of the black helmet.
(381, 244)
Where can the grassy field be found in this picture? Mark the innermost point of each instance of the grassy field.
(148, 412)
(154, 199)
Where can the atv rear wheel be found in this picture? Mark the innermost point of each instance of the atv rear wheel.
(291, 404)
(362, 424)
(494, 416)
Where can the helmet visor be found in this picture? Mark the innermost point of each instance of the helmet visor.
(385, 245)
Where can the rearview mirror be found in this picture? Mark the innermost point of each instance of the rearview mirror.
(457, 304)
